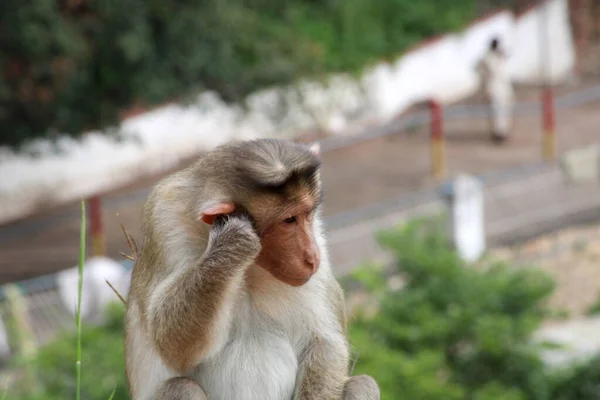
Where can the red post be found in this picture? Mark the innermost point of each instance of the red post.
(438, 158)
(97, 227)
(549, 123)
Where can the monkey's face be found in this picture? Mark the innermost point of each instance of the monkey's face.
(278, 184)
(289, 249)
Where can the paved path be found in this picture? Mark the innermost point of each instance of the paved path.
(357, 175)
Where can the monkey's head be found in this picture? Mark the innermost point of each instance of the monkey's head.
(277, 183)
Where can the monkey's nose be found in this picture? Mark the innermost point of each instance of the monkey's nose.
(312, 262)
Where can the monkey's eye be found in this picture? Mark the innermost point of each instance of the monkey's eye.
(290, 220)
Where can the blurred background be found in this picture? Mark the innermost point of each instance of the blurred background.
(461, 160)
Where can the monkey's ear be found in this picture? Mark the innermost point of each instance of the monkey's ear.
(210, 212)
(315, 148)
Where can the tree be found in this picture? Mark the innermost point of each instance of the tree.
(453, 331)
(72, 65)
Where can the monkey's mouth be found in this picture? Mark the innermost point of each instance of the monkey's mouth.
(296, 281)
(292, 280)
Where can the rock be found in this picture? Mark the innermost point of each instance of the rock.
(582, 165)
(579, 340)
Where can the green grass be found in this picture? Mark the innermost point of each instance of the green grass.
(51, 366)
(81, 261)
(79, 295)
(5, 392)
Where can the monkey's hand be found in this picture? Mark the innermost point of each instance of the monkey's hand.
(186, 312)
(233, 239)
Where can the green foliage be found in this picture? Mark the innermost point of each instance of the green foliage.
(454, 331)
(581, 383)
(352, 33)
(48, 374)
(594, 308)
(79, 297)
(74, 65)
(103, 368)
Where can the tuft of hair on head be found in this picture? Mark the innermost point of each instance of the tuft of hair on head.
(270, 163)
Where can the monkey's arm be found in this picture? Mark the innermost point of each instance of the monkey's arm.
(188, 310)
(323, 370)
(324, 367)
(323, 374)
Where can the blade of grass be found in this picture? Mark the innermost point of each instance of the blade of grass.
(116, 292)
(354, 363)
(112, 394)
(79, 295)
(5, 394)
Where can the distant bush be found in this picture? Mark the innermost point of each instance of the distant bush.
(454, 331)
(352, 33)
(580, 383)
(71, 66)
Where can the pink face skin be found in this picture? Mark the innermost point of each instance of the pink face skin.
(289, 250)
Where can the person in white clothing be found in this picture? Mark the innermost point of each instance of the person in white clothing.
(498, 89)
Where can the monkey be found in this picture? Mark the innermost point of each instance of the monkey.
(232, 296)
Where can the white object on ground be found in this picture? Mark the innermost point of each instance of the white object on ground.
(467, 218)
(579, 339)
(96, 293)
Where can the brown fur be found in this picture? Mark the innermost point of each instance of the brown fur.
(181, 389)
(188, 271)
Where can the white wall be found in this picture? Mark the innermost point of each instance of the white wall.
(443, 69)
(526, 62)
